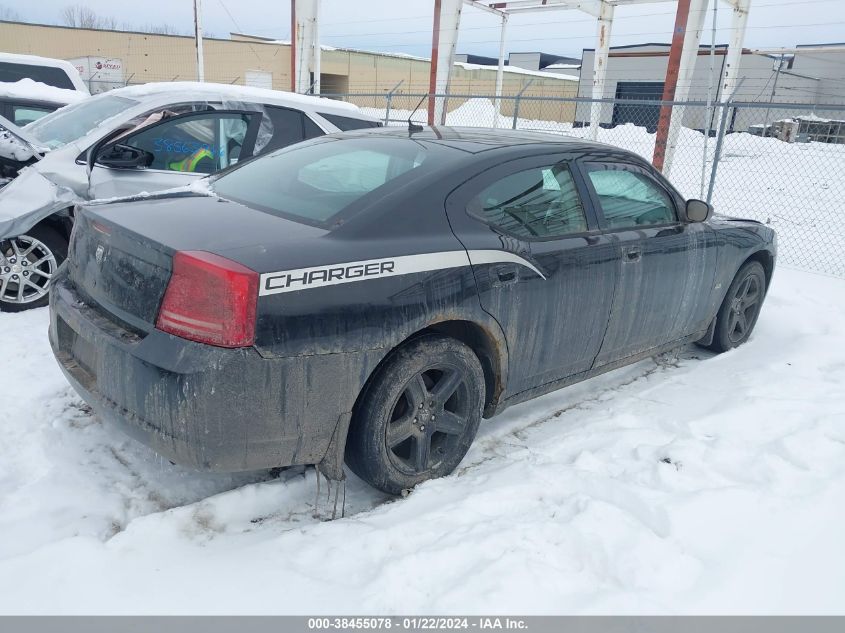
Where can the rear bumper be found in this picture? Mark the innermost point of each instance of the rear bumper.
(197, 405)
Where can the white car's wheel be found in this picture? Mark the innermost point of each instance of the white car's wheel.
(27, 264)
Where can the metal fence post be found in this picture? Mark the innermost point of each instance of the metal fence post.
(723, 129)
(717, 153)
(390, 102)
(516, 102)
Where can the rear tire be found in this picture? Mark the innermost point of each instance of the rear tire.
(418, 414)
(29, 260)
(740, 308)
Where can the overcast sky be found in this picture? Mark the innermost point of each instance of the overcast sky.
(404, 26)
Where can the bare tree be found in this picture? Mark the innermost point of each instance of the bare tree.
(9, 14)
(84, 17)
(160, 29)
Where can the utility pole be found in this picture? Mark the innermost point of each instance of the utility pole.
(198, 38)
(772, 96)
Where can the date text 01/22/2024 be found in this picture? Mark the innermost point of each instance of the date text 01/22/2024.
(418, 623)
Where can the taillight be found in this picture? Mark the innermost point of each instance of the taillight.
(210, 299)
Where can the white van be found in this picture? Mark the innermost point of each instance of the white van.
(46, 70)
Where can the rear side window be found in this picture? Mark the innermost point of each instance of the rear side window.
(345, 123)
(629, 198)
(537, 202)
(10, 72)
(312, 130)
(288, 128)
(317, 181)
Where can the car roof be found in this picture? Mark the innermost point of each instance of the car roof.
(193, 90)
(473, 140)
(30, 90)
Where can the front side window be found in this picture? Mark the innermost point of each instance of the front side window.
(318, 180)
(537, 202)
(72, 122)
(201, 144)
(628, 198)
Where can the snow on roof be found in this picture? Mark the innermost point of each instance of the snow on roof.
(465, 65)
(34, 60)
(518, 70)
(564, 66)
(29, 89)
(234, 93)
(814, 118)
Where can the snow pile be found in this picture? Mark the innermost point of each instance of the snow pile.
(695, 484)
(29, 89)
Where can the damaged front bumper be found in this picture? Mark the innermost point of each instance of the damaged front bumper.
(28, 199)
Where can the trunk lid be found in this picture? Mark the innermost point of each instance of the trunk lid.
(121, 253)
(117, 270)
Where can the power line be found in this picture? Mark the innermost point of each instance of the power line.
(617, 19)
(592, 36)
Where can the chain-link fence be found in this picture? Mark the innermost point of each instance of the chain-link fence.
(782, 164)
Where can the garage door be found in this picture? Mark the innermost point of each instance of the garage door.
(638, 114)
(259, 79)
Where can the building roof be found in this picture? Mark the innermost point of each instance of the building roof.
(480, 59)
(548, 58)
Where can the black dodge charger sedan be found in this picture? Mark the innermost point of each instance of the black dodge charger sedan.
(370, 296)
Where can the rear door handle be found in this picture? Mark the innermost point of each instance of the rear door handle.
(631, 254)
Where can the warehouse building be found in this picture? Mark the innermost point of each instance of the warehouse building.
(109, 58)
(813, 74)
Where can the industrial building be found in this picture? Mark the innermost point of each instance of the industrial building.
(810, 74)
(109, 58)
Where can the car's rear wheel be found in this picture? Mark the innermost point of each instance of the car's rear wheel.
(739, 311)
(418, 415)
(27, 264)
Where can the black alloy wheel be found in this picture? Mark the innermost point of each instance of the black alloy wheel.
(418, 414)
(745, 305)
(428, 419)
(740, 308)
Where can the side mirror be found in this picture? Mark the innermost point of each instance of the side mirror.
(120, 156)
(698, 210)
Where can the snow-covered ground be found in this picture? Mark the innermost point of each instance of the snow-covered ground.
(797, 188)
(692, 484)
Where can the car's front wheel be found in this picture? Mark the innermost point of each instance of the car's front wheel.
(418, 415)
(739, 311)
(27, 263)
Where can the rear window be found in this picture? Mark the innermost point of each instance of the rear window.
(345, 123)
(317, 181)
(49, 75)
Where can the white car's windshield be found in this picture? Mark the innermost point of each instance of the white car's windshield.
(75, 121)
